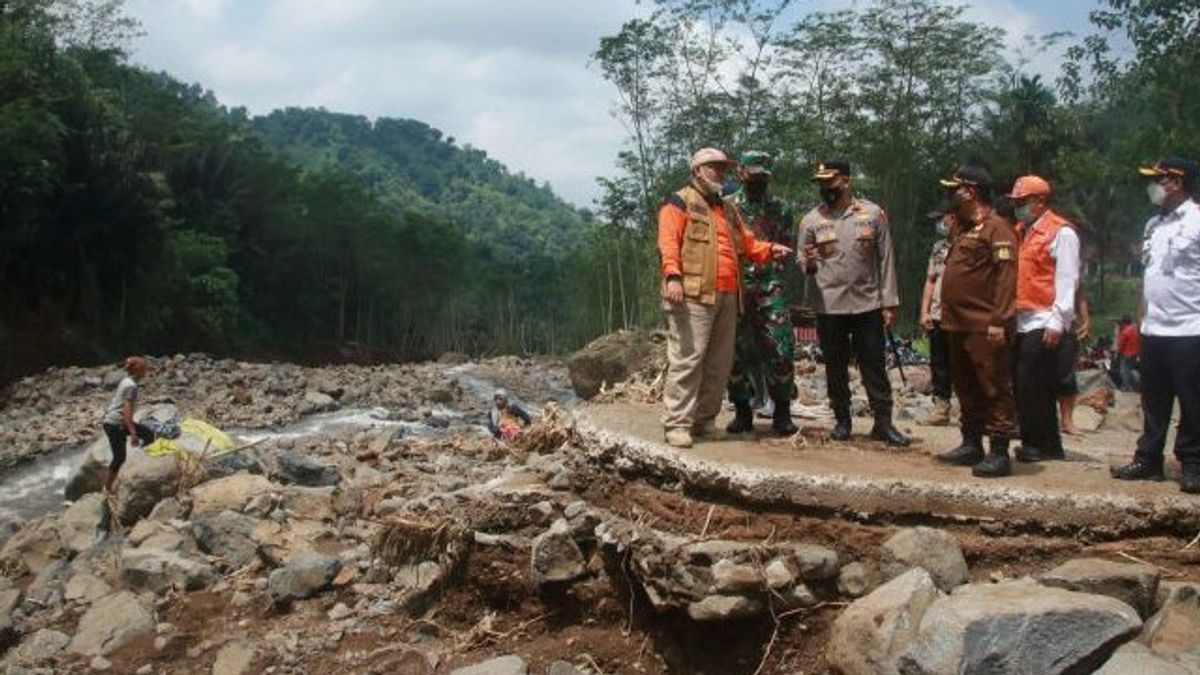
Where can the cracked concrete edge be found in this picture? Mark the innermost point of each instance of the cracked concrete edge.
(1107, 515)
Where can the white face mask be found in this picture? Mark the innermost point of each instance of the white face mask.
(943, 229)
(1157, 193)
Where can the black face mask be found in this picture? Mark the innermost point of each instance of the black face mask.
(831, 195)
(755, 186)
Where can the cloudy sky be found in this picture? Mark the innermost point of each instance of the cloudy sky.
(512, 77)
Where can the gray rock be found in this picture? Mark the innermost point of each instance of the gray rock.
(228, 535)
(84, 523)
(43, 645)
(870, 635)
(562, 668)
(734, 578)
(504, 665)
(143, 483)
(1175, 630)
(315, 402)
(158, 571)
(304, 470)
(111, 623)
(1018, 627)
(555, 557)
(1167, 588)
(88, 475)
(856, 580)
(36, 545)
(778, 575)
(1136, 658)
(86, 588)
(1134, 584)
(306, 575)
(230, 493)
(816, 563)
(724, 608)
(234, 658)
(612, 358)
(936, 551)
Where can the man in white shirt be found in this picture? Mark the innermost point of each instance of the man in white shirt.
(1047, 279)
(1170, 358)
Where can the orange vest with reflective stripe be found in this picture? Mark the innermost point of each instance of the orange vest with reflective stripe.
(1035, 265)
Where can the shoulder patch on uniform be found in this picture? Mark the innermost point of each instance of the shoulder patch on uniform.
(1002, 251)
(676, 201)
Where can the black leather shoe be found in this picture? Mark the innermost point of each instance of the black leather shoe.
(885, 431)
(1189, 479)
(997, 464)
(841, 431)
(743, 420)
(969, 453)
(781, 421)
(1139, 470)
(1028, 453)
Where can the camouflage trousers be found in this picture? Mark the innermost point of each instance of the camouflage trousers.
(764, 349)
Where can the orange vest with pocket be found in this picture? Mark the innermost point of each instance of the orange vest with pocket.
(1035, 265)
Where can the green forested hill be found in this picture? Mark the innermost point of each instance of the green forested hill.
(413, 167)
(140, 214)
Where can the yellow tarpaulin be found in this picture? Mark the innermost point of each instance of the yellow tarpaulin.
(196, 436)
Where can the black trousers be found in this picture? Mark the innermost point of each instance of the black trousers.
(116, 440)
(861, 335)
(1170, 369)
(1038, 378)
(939, 361)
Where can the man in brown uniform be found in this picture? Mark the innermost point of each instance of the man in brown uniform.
(979, 292)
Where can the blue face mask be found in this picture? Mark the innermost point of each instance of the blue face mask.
(1023, 212)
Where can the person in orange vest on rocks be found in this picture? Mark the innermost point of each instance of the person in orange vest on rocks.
(1170, 358)
(702, 241)
(1047, 281)
(979, 288)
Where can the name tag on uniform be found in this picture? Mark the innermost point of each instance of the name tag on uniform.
(826, 235)
(1002, 252)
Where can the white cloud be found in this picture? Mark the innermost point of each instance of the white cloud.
(510, 78)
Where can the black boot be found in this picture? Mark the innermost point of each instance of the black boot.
(1189, 479)
(1140, 469)
(885, 431)
(1028, 453)
(997, 463)
(781, 422)
(743, 420)
(841, 429)
(968, 453)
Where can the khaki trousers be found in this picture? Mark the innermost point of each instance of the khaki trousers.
(699, 358)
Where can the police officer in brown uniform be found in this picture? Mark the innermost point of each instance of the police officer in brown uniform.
(847, 249)
(979, 290)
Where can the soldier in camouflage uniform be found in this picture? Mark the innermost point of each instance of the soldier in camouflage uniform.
(766, 344)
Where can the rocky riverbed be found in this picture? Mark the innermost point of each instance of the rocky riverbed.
(408, 541)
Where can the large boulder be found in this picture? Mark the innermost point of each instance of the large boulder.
(143, 483)
(874, 631)
(110, 624)
(612, 358)
(555, 557)
(230, 493)
(158, 571)
(37, 545)
(935, 551)
(1134, 584)
(227, 535)
(296, 469)
(43, 645)
(1018, 627)
(88, 474)
(305, 576)
(84, 523)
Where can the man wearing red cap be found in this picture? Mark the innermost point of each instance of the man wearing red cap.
(702, 240)
(1047, 281)
(1170, 358)
(118, 418)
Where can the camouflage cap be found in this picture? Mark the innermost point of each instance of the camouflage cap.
(757, 161)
